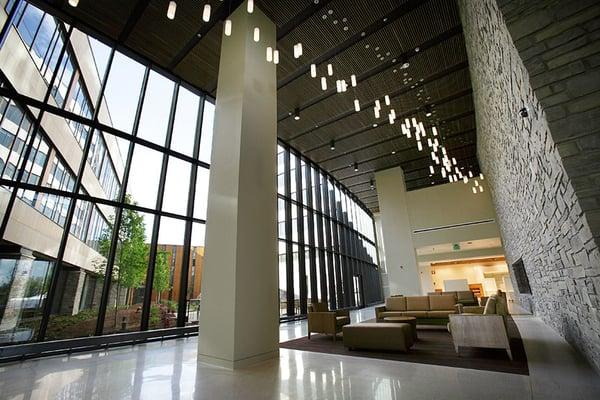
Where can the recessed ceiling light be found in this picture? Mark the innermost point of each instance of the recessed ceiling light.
(330, 12)
(335, 21)
(345, 28)
(324, 16)
(374, 125)
(344, 19)
(417, 49)
(362, 34)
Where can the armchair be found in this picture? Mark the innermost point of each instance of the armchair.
(321, 320)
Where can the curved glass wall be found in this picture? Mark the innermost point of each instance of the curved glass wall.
(327, 250)
(104, 180)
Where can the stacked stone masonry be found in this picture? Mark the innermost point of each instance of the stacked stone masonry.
(536, 198)
(559, 43)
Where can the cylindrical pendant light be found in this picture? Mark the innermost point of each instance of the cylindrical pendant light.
(356, 105)
(171, 10)
(465, 179)
(329, 69)
(387, 100)
(257, 34)
(313, 70)
(323, 83)
(393, 112)
(74, 3)
(474, 189)
(376, 111)
(297, 114)
(391, 119)
(275, 57)
(355, 167)
(227, 27)
(269, 54)
(434, 130)
(378, 104)
(431, 169)
(481, 188)
(250, 6)
(353, 80)
(332, 145)
(481, 176)
(419, 146)
(206, 13)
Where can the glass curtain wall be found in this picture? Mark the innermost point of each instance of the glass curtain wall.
(327, 250)
(104, 166)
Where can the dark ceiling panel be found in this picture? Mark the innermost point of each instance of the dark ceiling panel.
(428, 32)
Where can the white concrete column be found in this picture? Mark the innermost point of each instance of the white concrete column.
(400, 253)
(239, 311)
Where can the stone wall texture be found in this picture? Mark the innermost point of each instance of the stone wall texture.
(539, 211)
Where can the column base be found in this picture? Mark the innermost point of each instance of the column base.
(237, 364)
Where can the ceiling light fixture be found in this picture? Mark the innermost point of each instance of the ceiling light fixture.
(297, 50)
(171, 10)
(256, 34)
(386, 98)
(427, 110)
(74, 3)
(377, 104)
(332, 145)
(227, 27)
(481, 176)
(206, 13)
(474, 189)
(376, 111)
(355, 167)
(323, 83)
(329, 69)
(391, 118)
(250, 6)
(372, 184)
(356, 105)
(297, 113)
(353, 80)
(431, 169)
(313, 70)
(275, 57)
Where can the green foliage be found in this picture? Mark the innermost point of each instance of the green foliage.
(132, 253)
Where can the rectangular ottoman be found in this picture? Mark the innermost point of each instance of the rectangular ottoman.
(374, 336)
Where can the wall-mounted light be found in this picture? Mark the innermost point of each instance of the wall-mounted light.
(171, 10)
(297, 113)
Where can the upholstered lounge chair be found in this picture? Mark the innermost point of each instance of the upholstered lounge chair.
(321, 320)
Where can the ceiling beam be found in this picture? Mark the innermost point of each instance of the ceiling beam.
(385, 122)
(300, 18)
(219, 15)
(133, 19)
(361, 34)
(395, 137)
(396, 93)
(391, 62)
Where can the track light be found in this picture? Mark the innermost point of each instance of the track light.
(170, 11)
(297, 114)
(206, 13)
(332, 145)
(227, 27)
(355, 167)
(250, 6)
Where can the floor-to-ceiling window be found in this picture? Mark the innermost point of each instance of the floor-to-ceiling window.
(104, 178)
(327, 249)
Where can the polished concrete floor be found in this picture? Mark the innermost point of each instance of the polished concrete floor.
(169, 370)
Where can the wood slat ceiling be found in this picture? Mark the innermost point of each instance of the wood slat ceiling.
(368, 38)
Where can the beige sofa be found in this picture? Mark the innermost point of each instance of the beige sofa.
(464, 297)
(427, 309)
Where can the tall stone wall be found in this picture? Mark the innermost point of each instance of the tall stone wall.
(539, 213)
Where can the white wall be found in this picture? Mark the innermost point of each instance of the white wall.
(400, 256)
(473, 273)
